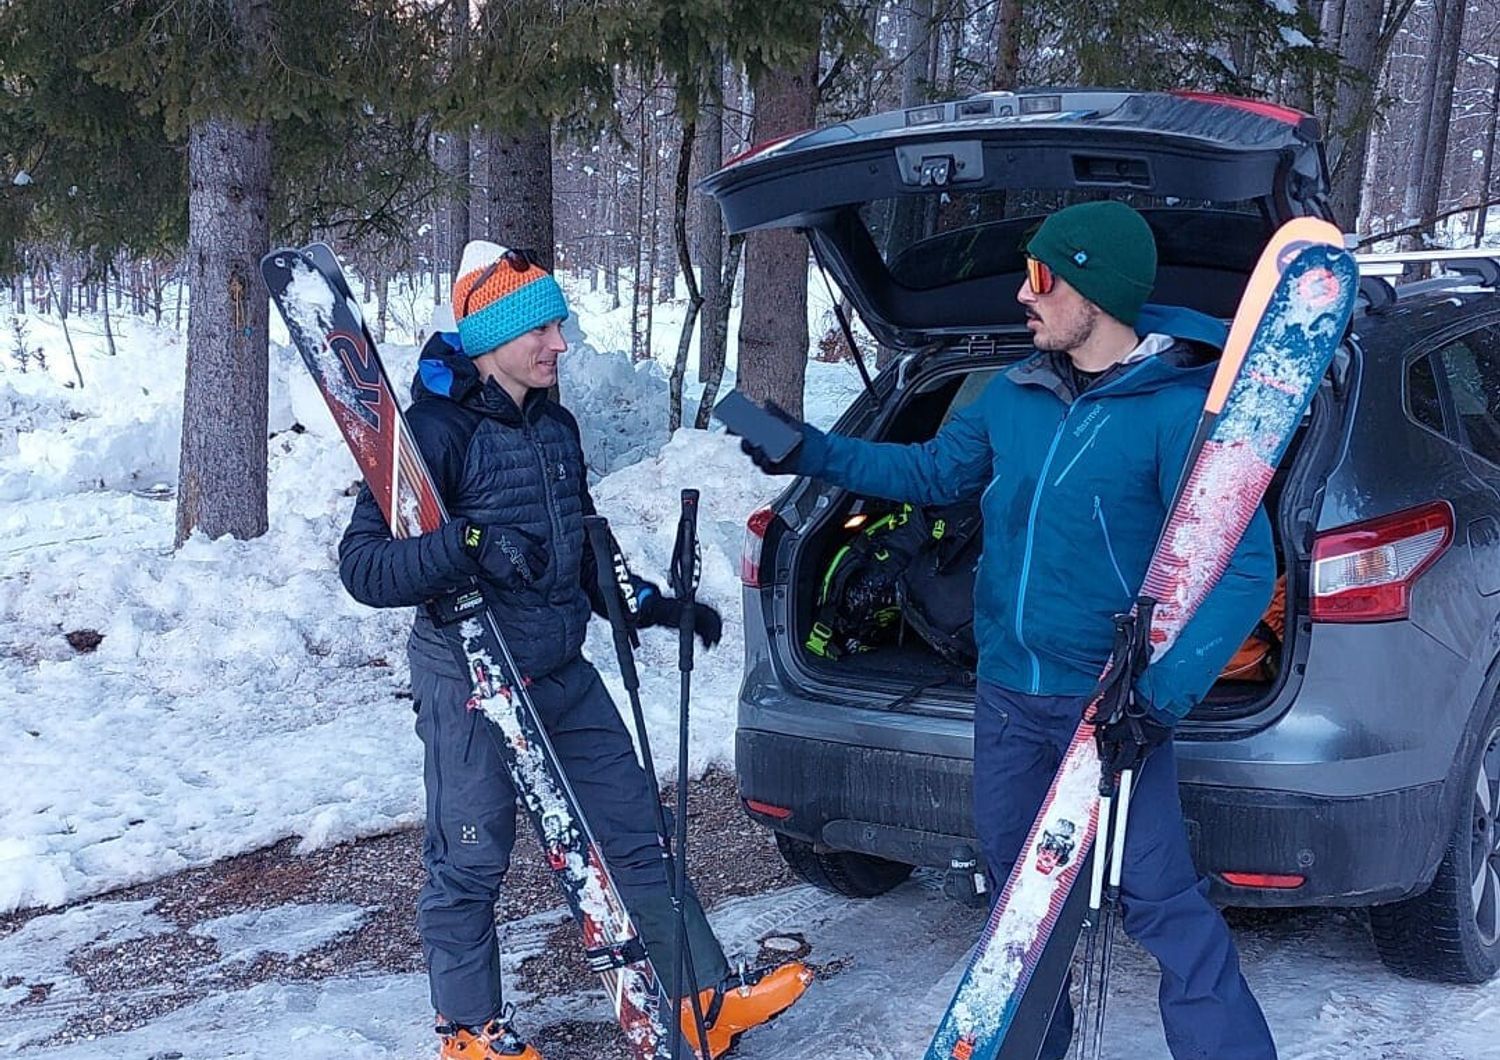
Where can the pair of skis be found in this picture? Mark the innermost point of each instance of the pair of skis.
(310, 290)
(1290, 321)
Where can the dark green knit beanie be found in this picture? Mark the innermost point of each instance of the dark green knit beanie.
(1105, 250)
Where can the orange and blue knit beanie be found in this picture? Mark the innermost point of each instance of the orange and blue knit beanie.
(500, 294)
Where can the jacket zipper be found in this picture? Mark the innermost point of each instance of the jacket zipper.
(1036, 499)
(1109, 546)
(552, 516)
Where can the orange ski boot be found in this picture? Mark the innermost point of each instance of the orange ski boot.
(494, 1041)
(744, 1000)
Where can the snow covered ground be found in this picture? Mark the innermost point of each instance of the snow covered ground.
(898, 958)
(215, 699)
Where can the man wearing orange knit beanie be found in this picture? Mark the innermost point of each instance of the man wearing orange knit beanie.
(509, 465)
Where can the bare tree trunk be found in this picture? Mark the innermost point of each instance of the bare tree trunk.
(1446, 56)
(685, 263)
(916, 53)
(435, 262)
(1417, 161)
(773, 320)
(222, 483)
(1006, 41)
(65, 286)
(18, 289)
(109, 332)
(1487, 175)
(645, 251)
(611, 250)
(158, 280)
(713, 328)
(520, 193)
(1364, 41)
(383, 293)
(717, 337)
(67, 335)
(663, 252)
(458, 162)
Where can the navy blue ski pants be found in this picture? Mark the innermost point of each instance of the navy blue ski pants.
(471, 827)
(1207, 1009)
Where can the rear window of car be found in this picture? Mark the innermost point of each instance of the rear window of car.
(968, 392)
(928, 241)
(1472, 366)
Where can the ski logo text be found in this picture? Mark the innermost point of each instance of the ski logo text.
(363, 373)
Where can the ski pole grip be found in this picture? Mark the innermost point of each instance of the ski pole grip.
(685, 552)
(605, 563)
(685, 576)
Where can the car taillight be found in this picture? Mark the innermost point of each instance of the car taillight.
(755, 539)
(1364, 572)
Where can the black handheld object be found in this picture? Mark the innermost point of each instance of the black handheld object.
(743, 417)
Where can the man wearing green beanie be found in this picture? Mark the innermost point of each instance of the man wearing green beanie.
(1075, 453)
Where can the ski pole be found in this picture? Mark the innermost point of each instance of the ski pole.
(1111, 905)
(619, 594)
(686, 569)
(1107, 789)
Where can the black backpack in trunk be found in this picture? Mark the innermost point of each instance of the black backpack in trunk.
(916, 564)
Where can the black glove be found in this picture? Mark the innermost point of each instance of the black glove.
(510, 558)
(653, 608)
(787, 465)
(1126, 737)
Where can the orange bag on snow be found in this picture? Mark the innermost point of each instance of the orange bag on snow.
(1258, 657)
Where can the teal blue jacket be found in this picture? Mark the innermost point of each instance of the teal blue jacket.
(1075, 492)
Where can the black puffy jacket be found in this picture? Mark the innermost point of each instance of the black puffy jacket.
(498, 464)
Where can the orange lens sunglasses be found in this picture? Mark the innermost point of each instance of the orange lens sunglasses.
(1039, 276)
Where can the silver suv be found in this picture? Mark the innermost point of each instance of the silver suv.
(1367, 771)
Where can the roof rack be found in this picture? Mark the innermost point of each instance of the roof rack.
(1378, 273)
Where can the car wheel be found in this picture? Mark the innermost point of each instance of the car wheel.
(1451, 933)
(841, 871)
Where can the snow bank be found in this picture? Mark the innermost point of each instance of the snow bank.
(218, 698)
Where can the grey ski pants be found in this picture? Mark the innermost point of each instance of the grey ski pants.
(471, 827)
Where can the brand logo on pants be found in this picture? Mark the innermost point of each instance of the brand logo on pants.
(469, 833)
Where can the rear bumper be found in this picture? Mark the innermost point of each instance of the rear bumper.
(1350, 851)
(902, 805)
(916, 807)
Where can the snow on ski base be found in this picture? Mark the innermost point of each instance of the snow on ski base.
(895, 962)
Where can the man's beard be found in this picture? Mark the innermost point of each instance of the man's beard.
(1075, 336)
